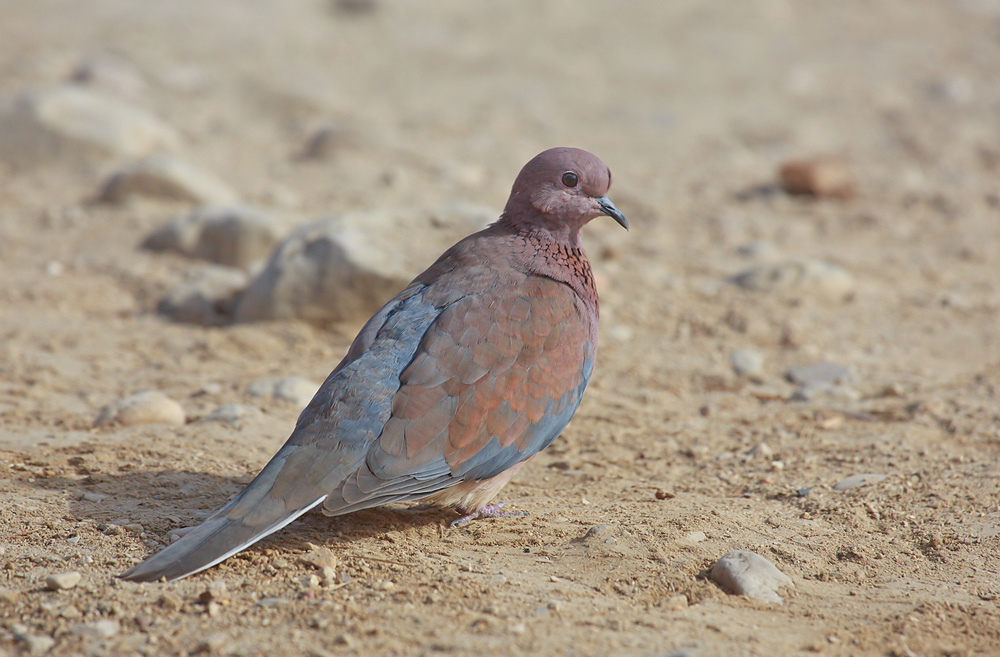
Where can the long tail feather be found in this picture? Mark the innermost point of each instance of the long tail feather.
(211, 542)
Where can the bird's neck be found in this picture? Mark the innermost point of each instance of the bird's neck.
(556, 255)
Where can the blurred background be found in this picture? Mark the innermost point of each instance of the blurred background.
(201, 202)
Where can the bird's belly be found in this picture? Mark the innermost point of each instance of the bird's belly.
(471, 496)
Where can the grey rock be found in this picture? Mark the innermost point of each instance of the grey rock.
(821, 373)
(148, 407)
(38, 644)
(858, 480)
(747, 362)
(808, 275)
(833, 390)
(747, 573)
(347, 266)
(233, 414)
(821, 379)
(292, 389)
(236, 236)
(62, 581)
(207, 297)
(102, 629)
(72, 124)
(326, 142)
(166, 177)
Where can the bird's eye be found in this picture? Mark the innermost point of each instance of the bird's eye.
(570, 179)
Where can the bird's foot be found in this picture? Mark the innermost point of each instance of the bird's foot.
(488, 511)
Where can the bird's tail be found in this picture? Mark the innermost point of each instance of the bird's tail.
(269, 503)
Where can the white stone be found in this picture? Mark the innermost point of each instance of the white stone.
(233, 414)
(207, 297)
(346, 267)
(71, 124)
(38, 644)
(292, 389)
(808, 275)
(855, 481)
(693, 538)
(747, 573)
(166, 177)
(62, 581)
(102, 629)
(747, 362)
(148, 407)
(236, 236)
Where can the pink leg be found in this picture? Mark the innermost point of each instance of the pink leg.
(488, 511)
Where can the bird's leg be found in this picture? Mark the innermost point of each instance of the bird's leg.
(488, 511)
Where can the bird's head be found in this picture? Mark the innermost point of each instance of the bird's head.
(562, 189)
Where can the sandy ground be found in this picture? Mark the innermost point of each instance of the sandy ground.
(694, 105)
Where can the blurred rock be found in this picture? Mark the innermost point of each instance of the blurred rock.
(149, 407)
(166, 177)
(236, 236)
(109, 73)
(816, 275)
(62, 581)
(747, 362)
(38, 644)
(858, 480)
(819, 176)
(812, 374)
(327, 142)
(355, 6)
(233, 414)
(208, 297)
(347, 266)
(749, 574)
(292, 389)
(102, 629)
(71, 124)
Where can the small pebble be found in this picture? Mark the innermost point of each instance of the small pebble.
(102, 629)
(747, 573)
(799, 275)
(216, 592)
(148, 407)
(827, 177)
(233, 414)
(821, 373)
(292, 389)
(747, 362)
(319, 558)
(62, 581)
(8, 596)
(271, 602)
(855, 481)
(676, 603)
(38, 644)
(691, 538)
(93, 497)
(213, 643)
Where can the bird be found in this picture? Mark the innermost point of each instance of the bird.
(451, 387)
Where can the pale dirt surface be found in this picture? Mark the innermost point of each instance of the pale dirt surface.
(694, 105)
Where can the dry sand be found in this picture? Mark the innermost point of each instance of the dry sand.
(694, 105)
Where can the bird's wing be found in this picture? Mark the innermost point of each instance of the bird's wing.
(494, 380)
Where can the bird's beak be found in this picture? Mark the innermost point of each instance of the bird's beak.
(608, 208)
